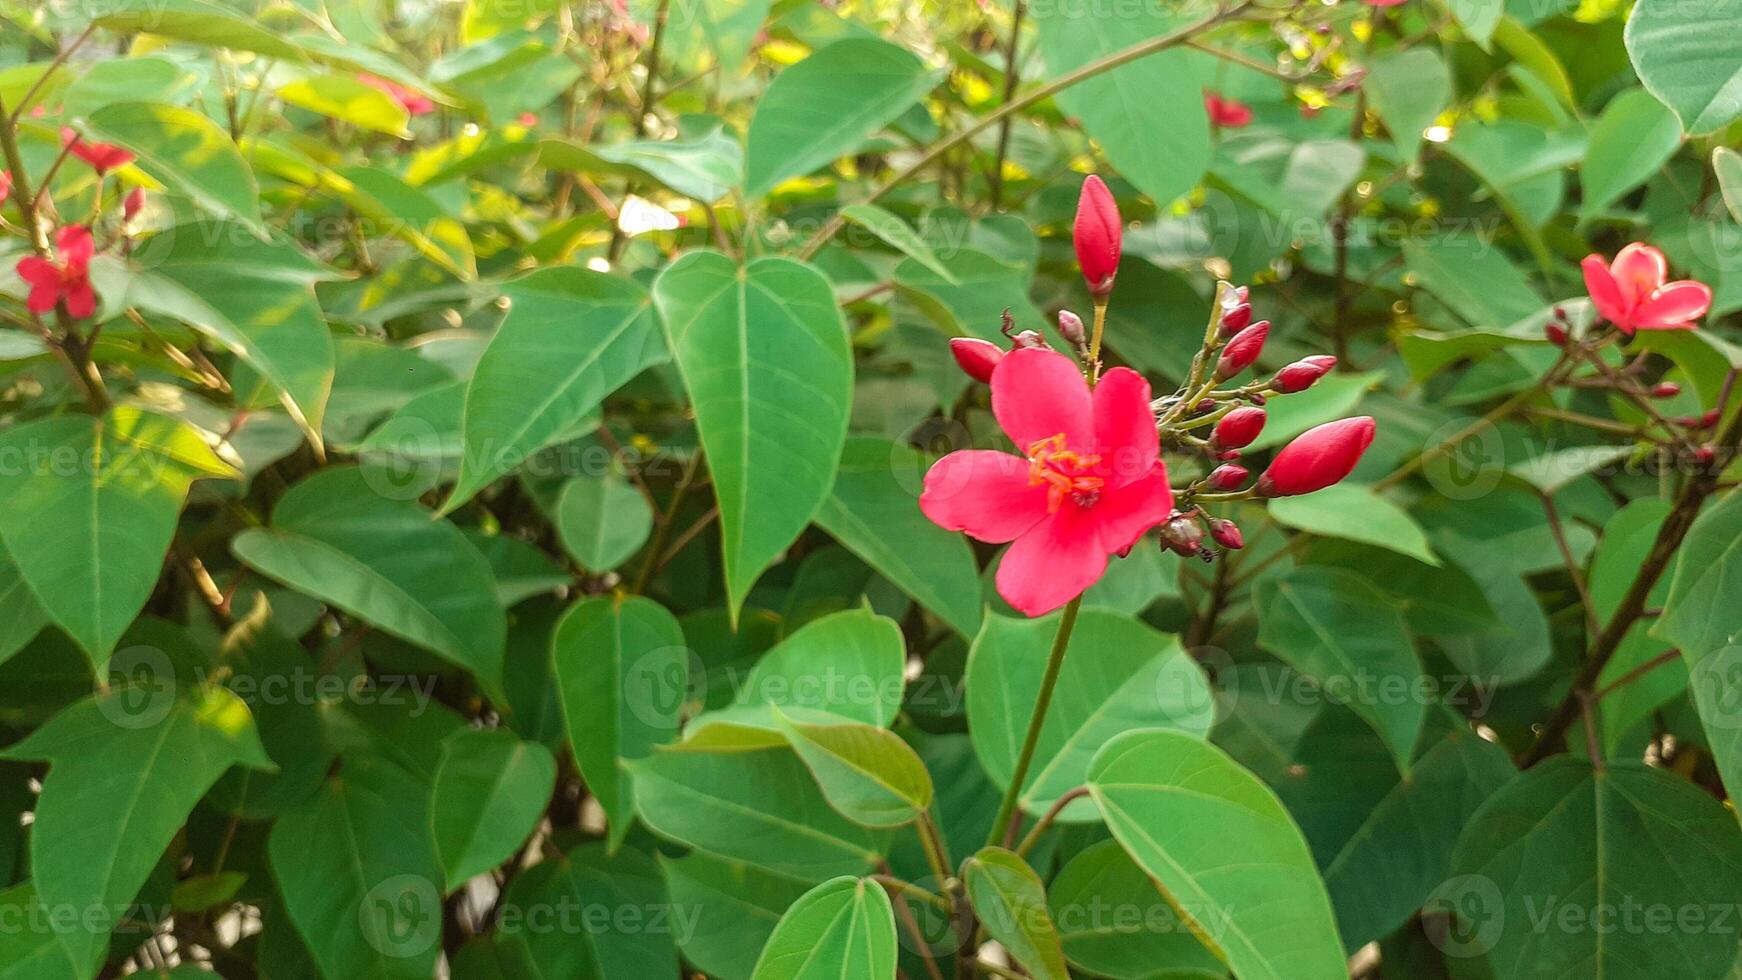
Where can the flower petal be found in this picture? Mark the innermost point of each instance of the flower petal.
(1676, 304)
(1125, 434)
(42, 298)
(1053, 563)
(1037, 394)
(1124, 513)
(81, 300)
(75, 245)
(1605, 294)
(38, 271)
(982, 492)
(1638, 269)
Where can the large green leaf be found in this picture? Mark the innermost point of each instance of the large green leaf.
(186, 152)
(873, 510)
(623, 674)
(1477, 18)
(125, 768)
(490, 791)
(254, 297)
(970, 294)
(1477, 281)
(843, 929)
(1126, 109)
(29, 951)
(1702, 616)
(765, 357)
(1403, 847)
(761, 807)
(1178, 805)
(1686, 55)
(1334, 627)
(21, 616)
(896, 232)
(1114, 921)
(89, 509)
(1118, 674)
(826, 105)
(867, 773)
(1010, 901)
(555, 921)
(1630, 142)
(1627, 540)
(1552, 869)
(705, 168)
(570, 339)
(602, 521)
(341, 536)
(1355, 513)
(358, 870)
(349, 100)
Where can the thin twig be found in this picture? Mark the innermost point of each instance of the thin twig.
(1559, 534)
(1012, 80)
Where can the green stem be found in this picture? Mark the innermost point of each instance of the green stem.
(1060, 641)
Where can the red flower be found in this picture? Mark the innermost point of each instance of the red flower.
(1317, 458)
(414, 103)
(68, 280)
(133, 204)
(1089, 483)
(1227, 113)
(103, 157)
(1097, 233)
(1631, 292)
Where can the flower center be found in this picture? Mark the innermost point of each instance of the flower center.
(1064, 471)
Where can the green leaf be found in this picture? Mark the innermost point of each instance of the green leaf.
(348, 100)
(1477, 281)
(1403, 848)
(1010, 901)
(1628, 537)
(602, 521)
(125, 768)
(21, 616)
(765, 358)
(411, 215)
(341, 536)
(90, 509)
(522, 571)
(1549, 473)
(896, 232)
(623, 672)
(1536, 58)
(1174, 803)
(256, 298)
(706, 168)
(1477, 18)
(29, 951)
(1124, 109)
(970, 300)
(1686, 57)
(1702, 616)
(357, 867)
(133, 79)
(843, 929)
(1335, 628)
(1354, 512)
(490, 791)
(736, 906)
(1118, 674)
(761, 807)
(1630, 142)
(826, 105)
(1408, 89)
(1114, 922)
(571, 338)
(1564, 840)
(637, 938)
(873, 511)
(187, 153)
(867, 773)
(1727, 164)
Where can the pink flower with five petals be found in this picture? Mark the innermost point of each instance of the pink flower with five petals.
(1631, 293)
(69, 279)
(1089, 482)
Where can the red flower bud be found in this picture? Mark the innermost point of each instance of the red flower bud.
(1238, 428)
(1071, 328)
(1097, 235)
(1235, 319)
(1317, 458)
(1705, 454)
(1228, 476)
(1302, 374)
(1325, 361)
(132, 204)
(1227, 534)
(976, 357)
(1666, 389)
(1182, 535)
(1242, 350)
(1556, 332)
(5, 185)
(1228, 456)
(1030, 338)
